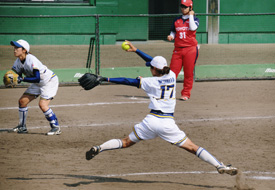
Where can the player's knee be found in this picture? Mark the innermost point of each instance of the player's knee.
(126, 142)
(22, 103)
(44, 107)
(190, 146)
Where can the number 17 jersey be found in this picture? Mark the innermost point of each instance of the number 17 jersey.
(161, 91)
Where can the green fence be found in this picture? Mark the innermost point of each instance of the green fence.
(110, 30)
(78, 29)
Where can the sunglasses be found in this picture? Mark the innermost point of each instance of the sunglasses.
(183, 6)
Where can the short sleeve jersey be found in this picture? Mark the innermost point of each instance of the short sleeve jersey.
(29, 65)
(184, 36)
(161, 91)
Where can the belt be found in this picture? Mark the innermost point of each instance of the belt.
(159, 113)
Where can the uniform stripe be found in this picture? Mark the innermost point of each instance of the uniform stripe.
(197, 54)
(162, 116)
(53, 75)
(139, 83)
(199, 153)
(136, 134)
(177, 143)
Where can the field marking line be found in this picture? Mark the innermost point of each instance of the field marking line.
(79, 105)
(136, 122)
(259, 175)
(197, 172)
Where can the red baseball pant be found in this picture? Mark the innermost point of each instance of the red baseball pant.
(185, 58)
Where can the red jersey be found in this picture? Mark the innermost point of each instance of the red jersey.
(184, 37)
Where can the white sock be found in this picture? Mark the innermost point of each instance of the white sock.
(111, 145)
(23, 112)
(207, 157)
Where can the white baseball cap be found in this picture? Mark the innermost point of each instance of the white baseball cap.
(158, 62)
(21, 43)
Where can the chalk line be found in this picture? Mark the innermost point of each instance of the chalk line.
(259, 175)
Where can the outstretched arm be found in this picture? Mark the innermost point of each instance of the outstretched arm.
(125, 81)
(88, 81)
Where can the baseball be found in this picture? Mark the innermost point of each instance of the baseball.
(125, 46)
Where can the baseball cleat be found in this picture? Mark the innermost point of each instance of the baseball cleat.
(227, 169)
(54, 131)
(20, 129)
(184, 98)
(92, 152)
(15, 129)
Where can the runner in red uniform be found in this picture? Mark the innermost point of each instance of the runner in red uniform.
(186, 52)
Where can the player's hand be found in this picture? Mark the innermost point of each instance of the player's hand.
(19, 79)
(191, 12)
(132, 47)
(170, 38)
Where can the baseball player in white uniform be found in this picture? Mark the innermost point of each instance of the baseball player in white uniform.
(44, 84)
(161, 88)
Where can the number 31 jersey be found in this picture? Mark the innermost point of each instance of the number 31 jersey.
(184, 36)
(162, 92)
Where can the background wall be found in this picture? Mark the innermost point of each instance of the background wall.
(74, 23)
(247, 29)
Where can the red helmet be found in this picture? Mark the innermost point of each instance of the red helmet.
(187, 3)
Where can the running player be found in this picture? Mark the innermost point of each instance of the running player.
(185, 53)
(161, 89)
(44, 83)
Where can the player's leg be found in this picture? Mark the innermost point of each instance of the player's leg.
(174, 135)
(176, 61)
(23, 102)
(47, 93)
(50, 116)
(140, 132)
(109, 145)
(189, 61)
(207, 157)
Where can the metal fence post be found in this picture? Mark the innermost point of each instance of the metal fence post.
(97, 49)
(213, 22)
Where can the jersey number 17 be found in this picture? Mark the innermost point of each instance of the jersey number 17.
(169, 89)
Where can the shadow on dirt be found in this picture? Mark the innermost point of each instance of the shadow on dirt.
(103, 179)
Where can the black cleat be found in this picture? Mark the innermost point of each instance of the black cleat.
(21, 129)
(92, 152)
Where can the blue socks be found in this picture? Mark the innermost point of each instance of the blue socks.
(51, 117)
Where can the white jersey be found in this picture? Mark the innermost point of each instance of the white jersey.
(162, 92)
(29, 65)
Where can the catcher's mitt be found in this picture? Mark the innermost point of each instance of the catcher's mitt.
(89, 81)
(10, 79)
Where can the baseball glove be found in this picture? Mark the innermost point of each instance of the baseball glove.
(10, 79)
(88, 81)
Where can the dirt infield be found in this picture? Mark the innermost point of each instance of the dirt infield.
(75, 56)
(233, 120)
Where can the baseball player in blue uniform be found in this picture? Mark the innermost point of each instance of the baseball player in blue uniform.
(44, 83)
(161, 89)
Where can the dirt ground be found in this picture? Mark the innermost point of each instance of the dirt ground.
(75, 56)
(233, 120)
